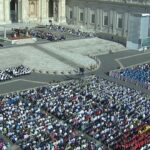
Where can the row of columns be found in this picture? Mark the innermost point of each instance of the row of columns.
(5, 13)
(98, 26)
(62, 11)
(59, 11)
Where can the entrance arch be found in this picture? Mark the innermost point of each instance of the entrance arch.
(14, 10)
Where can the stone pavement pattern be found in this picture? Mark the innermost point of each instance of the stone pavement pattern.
(52, 56)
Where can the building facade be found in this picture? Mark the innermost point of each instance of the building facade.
(28, 11)
(107, 17)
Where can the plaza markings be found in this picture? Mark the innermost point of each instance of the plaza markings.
(118, 60)
(32, 81)
(43, 84)
(7, 82)
(17, 91)
(135, 55)
(120, 64)
(11, 81)
(22, 80)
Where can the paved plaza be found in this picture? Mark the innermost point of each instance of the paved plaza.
(40, 79)
(57, 56)
(65, 56)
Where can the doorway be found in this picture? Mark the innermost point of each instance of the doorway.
(51, 8)
(14, 10)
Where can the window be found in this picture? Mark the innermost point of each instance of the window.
(119, 20)
(105, 18)
(71, 14)
(81, 16)
(93, 18)
(120, 23)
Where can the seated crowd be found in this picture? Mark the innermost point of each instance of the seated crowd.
(27, 125)
(46, 35)
(9, 73)
(3, 144)
(52, 36)
(115, 115)
(49, 35)
(139, 75)
(70, 31)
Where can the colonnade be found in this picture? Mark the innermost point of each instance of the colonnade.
(37, 11)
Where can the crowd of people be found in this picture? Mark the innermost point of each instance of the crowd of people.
(70, 31)
(46, 35)
(17, 33)
(3, 144)
(27, 125)
(51, 117)
(139, 75)
(138, 137)
(12, 72)
(52, 36)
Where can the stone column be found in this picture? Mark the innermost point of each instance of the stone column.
(54, 12)
(7, 11)
(88, 19)
(62, 11)
(43, 11)
(114, 22)
(25, 11)
(85, 16)
(97, 20)
(2, 12)
(100, 19)
(76, 15)
(55, 8)
(39, 11)
(47, 9)
(16, 7)
(5, 33)
(19, 11)
(125, 24)
(110, 22)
